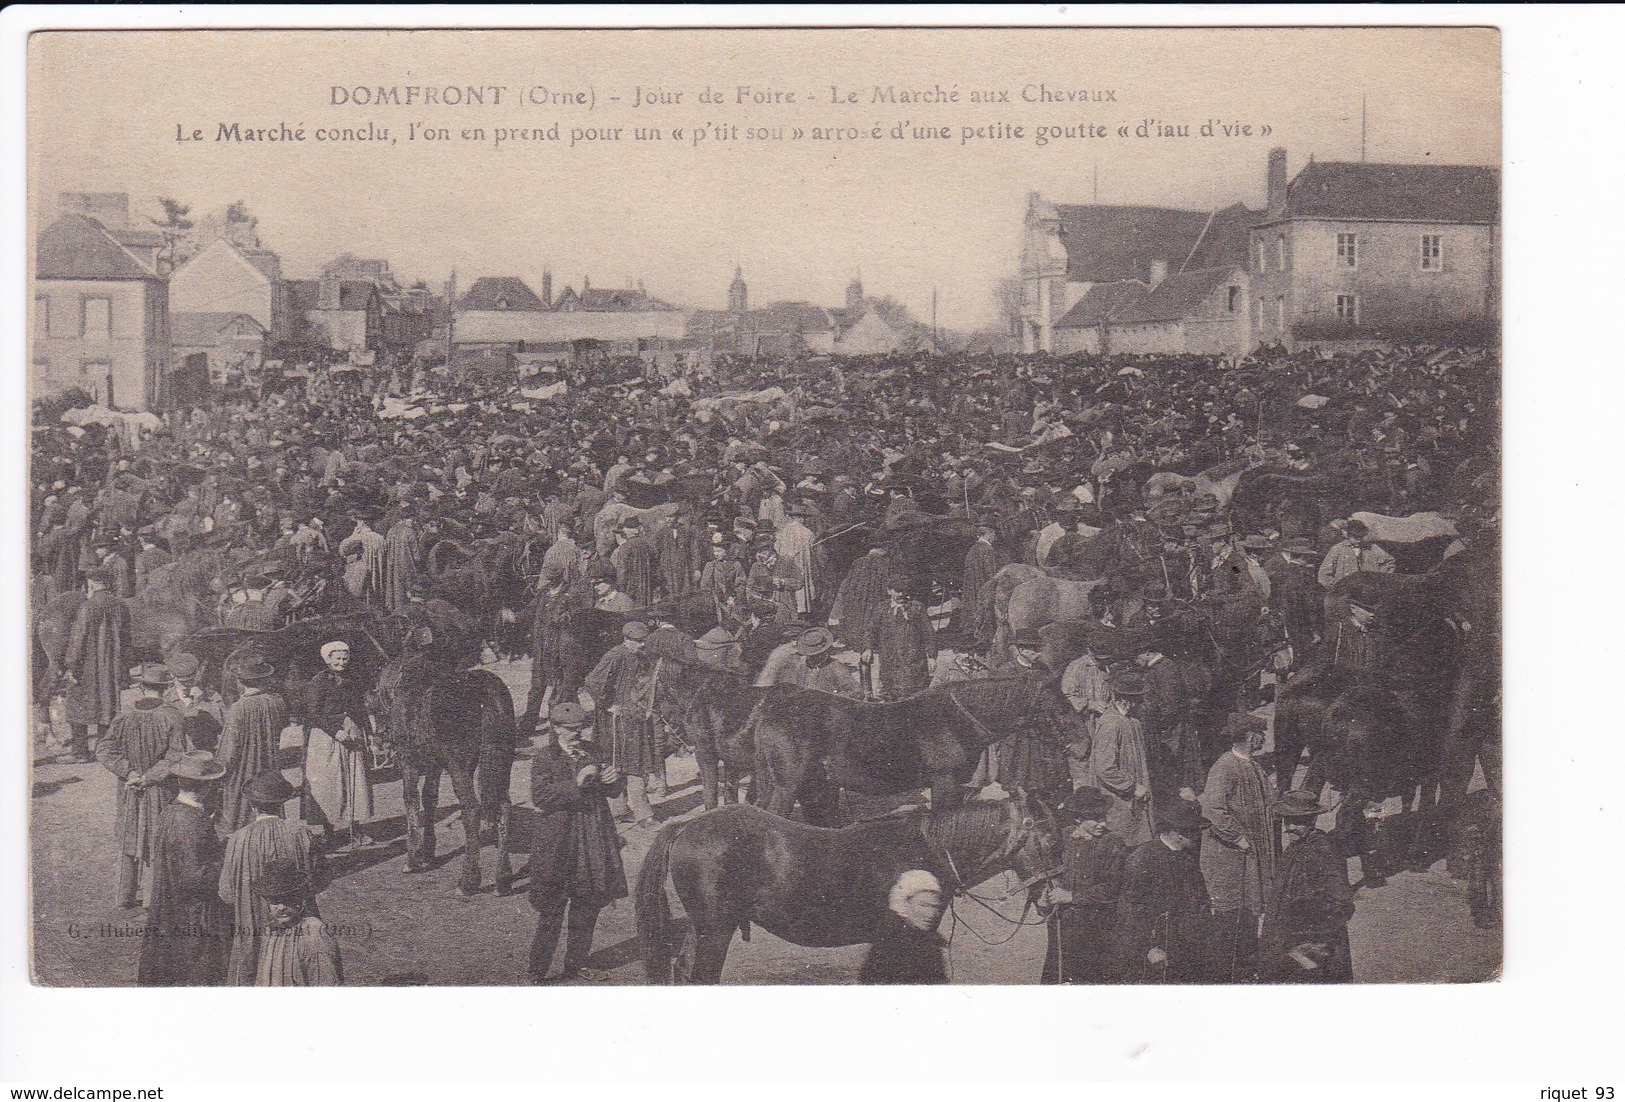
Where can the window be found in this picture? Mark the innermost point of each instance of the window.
(1347, 256)
(1432, 252)
(1348, 308)
(1263, 318)
(42, 315)
(1280, 252)
(1260, 244)
(96, 317)
(1280, 312)
(1235, 293)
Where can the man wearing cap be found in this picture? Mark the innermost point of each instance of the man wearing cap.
(1238, 850)
(1085, 896)
(575, 860)
(1119, 763)
(1355, 553)
(297, 949)
(202, 710)
(976, 609)
(185, 944)
(266, 839)
(336, 779)
(1296, 594)
(900, 633)
(1353, 643)
(150, 558)
(249, 739)
(1175, 691)
(1162, 904)
(559, 598)
(722, 580)
(907, 949)
(808, 662)
(1306, 933)
(139, 748)
(620, 689)
(93, 663)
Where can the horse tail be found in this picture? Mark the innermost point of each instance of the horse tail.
(653, 911)
(497, 727)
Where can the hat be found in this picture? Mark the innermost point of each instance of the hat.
(815, 641)
(184, 666)
(1298, 804)
(1126, 683)
(283, 881)
(1181, 817)
(635, 629)
(329, 649)
(269, 789)
(198, 765)
(1087, 802)
(567, 713)
(155, 674)
(1028, 637)
(255, 671)
(1242, 723)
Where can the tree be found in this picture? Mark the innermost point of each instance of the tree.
(175, 225)
(1009, 295)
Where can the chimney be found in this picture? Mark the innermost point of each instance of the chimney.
(1277, 182)
(547, 287)
(1159, 271)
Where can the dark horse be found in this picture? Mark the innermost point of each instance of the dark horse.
(709, 709)
(810, 886)
(809, 744)
(440, 717)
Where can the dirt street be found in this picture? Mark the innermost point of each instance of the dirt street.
(395, 928)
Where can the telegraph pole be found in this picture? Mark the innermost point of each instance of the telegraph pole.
(451, 314)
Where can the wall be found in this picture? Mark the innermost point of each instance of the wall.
(1068, 341)
(218, 281)
(1148, 338)
(1045, 294)
(1394, 291)
(342, 330)
(137, 349)
(870, 336)
(537, 326)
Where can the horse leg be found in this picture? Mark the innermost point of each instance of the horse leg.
(945, 792)
(710, 955)
(431, 812)
(820, 803)
(504, 818)
(710, 777)
(462, 782)
(410, 780)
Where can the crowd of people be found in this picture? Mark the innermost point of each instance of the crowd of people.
(736, 489)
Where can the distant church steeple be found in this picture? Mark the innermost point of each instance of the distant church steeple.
(738, 294)
(854, 293)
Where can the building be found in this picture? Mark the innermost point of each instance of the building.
(229, 344)
(347, 315)
(225, 278)
(503, 313)
(790, 328)
(1068, 249)
(1380, 252)
(100, 309)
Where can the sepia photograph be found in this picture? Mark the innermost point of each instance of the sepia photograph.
(764, 507)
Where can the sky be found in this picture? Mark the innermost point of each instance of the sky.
(802, 216)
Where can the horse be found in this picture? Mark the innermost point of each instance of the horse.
(809, 744)
(740, 865)
(1005, 581)
(442, 718)
(1045, 600)
(710, 709)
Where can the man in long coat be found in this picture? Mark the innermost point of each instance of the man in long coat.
(1174, 691)
(266, 838)
(1296, 594)
(364, 548)
(619, 685)
(976, 611)
(1162, 905)
(681, 549)
(560, 597)
(93, 663)
(634, 562)
(794, 542)
(403, 551)
(1086, 894)
(1238, 851)
(139, 748)
(187, 926)
(297, 949)
(900, 635)
(575, 859)
(1306, 932)
(249, 739)
(862, 594)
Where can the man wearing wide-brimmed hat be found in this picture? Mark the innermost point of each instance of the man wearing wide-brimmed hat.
(1306, 934)
(1119, 764)
(901, 636)
(297, 949)
(1238, 852)
(139, 747)
(187, 925)
(1162, 909)
(1296, 595)
(807, 661)
(93, 663)
(249, 738)
(267, 838)
(620, 687)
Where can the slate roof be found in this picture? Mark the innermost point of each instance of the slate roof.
(1109, 243)
(355, 294)
(618, 300)
(303, 294)
(79, 247)
(489, 292)
(1175, 297)
(1412, 193)
(1102, 303)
